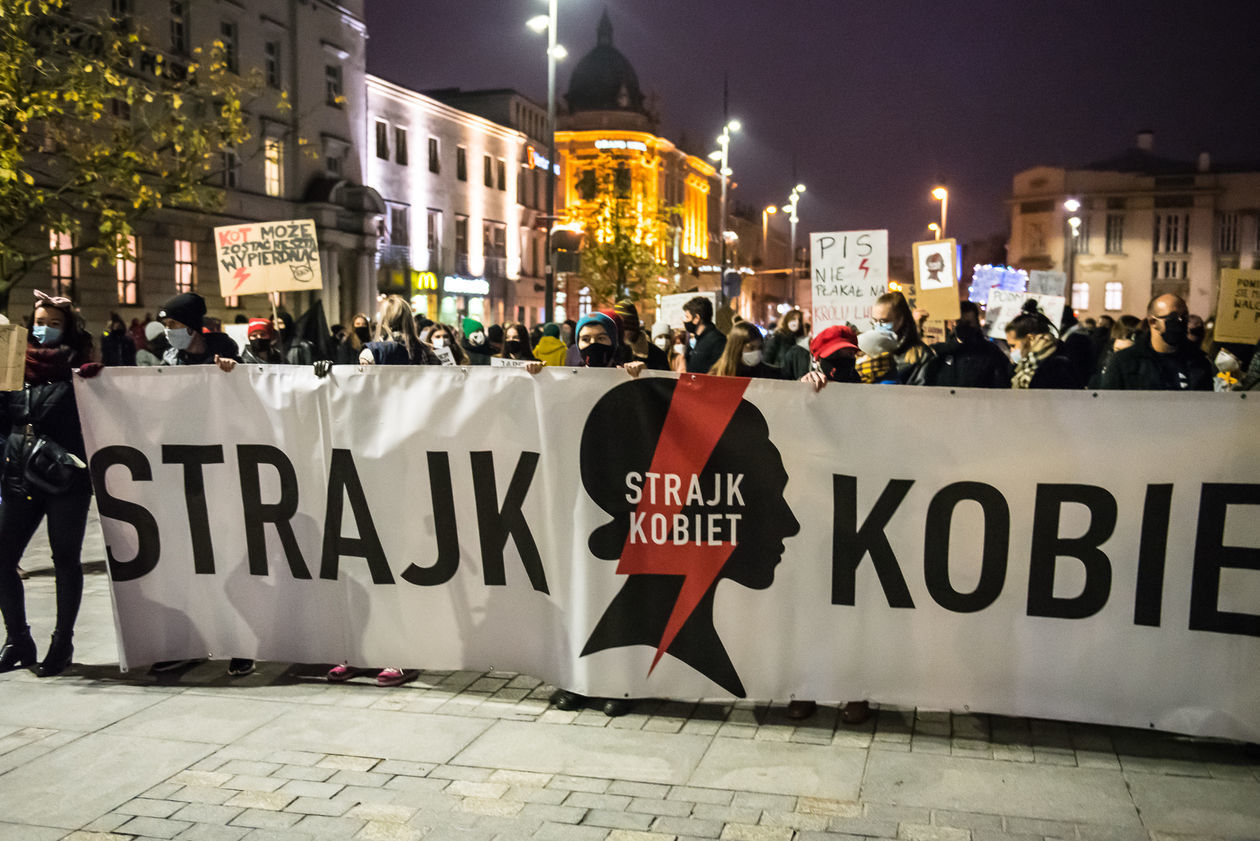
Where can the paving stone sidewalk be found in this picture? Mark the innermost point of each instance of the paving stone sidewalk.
(282, 755)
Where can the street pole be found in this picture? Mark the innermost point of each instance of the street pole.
(790, 209)
(549, 282)
(726, 147)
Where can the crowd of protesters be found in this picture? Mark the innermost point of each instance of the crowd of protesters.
(44, 476)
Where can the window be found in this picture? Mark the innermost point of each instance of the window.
(435, 162)
(1169, 269)
(1114, 296)
(1034, 231)
(332, 164)
(231, 168)
(1115, 233)
(120, 108)
(461, 244)
(179, 27)
(227, 34)
(382, 140)
(1080, 296)
(1172, 233)
(501, 174)
(400, 146)
(185, 265)
(489, 170)
(494, 247)
(125, 267)
(1227, 233)
(271, 64)
(435, 230)
(399, 226)
(332, 85)
(63, 264)
(273, 166)
(461, 163)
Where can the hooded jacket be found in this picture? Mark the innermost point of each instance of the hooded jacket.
(550, 351)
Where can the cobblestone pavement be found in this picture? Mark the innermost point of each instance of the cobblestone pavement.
(281, 755)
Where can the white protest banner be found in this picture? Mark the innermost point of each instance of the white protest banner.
(1047, 283)
(850, 270)
(671, 309)
(694, 537)
(12, 357)
(504, 362)
(267, 257)
(1238, 307)
(1003, 306)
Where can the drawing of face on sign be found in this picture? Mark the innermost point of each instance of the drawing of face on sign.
(303, 273)
(936, 266)
(694, 486)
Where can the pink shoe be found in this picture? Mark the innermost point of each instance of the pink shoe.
(342, 673)
(395, 677)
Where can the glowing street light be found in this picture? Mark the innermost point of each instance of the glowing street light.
(722, 155)
(935, 229)
(942, 196)
(555, 52)
(765, 230)
(1071, 245)
(790, 208)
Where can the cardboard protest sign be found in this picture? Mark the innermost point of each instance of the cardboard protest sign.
(1238, 308)
(1004, 305)
(1047, 283)
(850, 270)
(12, 357)
(503, 362)
(936, 278)
(671, 309)
(267, 257)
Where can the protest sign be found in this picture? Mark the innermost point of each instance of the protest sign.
(1004, 305)
(12, 357)
(445, 354)
(671, 309)
(850, 270)
(1238, 308)
(678, 537)
(1047, 283)
(267, 257)
(936, 278)
(503, 362)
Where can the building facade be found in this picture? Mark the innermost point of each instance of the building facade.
(303, 161)
(1146, 226)
(450, 238)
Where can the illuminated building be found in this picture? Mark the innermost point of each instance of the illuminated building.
(607, 118)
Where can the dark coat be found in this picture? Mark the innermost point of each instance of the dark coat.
(53, 413)
(708, 350)
(1056, 371)
(971, 362)
(1142, 368)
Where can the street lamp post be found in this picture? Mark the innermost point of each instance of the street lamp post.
(555, 52)
(765, 232)
(935, 229)
(1071, 231)
(790, 209)
(942, 195)
(723, 156)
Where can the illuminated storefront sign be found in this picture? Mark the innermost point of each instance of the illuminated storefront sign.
(455, 285)
(621, 144)
(424, 281)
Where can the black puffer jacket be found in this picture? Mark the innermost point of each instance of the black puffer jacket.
(50, 408)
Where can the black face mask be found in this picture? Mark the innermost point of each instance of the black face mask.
(967, 332)
(514, 348)
(363, 333)
(691, 327)
(839, 368)
(260, 346)
(1175, 332)
(596, 355)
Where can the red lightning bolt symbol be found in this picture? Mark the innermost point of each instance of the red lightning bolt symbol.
(866, 270)
(698, 415)
(241, 275)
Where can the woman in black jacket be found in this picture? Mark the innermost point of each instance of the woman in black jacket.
(44, 409)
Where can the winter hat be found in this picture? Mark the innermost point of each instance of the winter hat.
(188, 309)
(153, 329)
(876, 342)
(494, 333)
(834, 339)
(600, 319)
(260, 325)
(474, 332)
(660, 328)
(552, 330)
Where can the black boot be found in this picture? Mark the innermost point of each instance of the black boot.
(18, 652)
(60, 650)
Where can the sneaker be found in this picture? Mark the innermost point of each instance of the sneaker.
(342, 673)
(395, 677)
(172, 665)
(239, 667)
(798, 710)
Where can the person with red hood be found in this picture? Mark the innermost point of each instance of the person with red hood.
(45, 476)
(262, 348)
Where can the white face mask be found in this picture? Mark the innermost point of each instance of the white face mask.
(180, 339)
(662, 342)
(1227, 362)
(1016, 355)
(751, 358)
(680, 349)
(439, 341)
(794, 326)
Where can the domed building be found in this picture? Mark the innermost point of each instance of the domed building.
(608, 124)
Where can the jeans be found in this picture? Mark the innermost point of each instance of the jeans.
(20, 515)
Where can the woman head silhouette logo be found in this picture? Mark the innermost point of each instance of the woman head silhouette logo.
(694, 486)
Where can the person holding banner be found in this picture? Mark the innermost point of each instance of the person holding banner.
(184, 316)
(396, 341)
(1036, 353)
(1164, 358)
(262, 349)
(891, 313)
(44, 475)
(550, 349)
(359, 334)
(516, 343)
(443, 336)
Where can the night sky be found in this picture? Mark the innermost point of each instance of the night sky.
(878, 101)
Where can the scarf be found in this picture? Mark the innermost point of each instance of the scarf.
(1040, 349)
(48, 365)
(875, 369)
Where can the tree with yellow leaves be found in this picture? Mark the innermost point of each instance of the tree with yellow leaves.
(101, 130)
